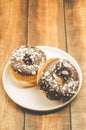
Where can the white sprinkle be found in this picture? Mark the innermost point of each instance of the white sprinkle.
(71, 84)
(49, 79)
(46, 73)
(29, 67)
(54, 66)
(51, 89)
(33, 72)
(43, 59)
(64, 88)
(69, 90)
(60, 64)
(76, 83)
(32, 50)
(56, 95)
(19, 70)
(65, 72)
(67, 94)
(55, 76)
(43, 77)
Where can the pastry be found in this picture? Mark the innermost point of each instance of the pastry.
(24, 64)
(59, 79)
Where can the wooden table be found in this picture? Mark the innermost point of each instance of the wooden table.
(57, 23)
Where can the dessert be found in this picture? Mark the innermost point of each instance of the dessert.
(24, 64)
(59, 79)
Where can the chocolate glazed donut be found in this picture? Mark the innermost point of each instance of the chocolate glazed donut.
(59, 79)
(24, 64)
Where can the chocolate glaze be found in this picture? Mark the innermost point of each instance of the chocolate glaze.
(55, 89)
(27, 60)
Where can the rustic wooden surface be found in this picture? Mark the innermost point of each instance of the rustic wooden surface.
(58, 23)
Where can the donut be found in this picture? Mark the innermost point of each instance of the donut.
(59, 79)
(24, 64)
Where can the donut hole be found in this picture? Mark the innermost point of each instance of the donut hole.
(63, 73)
(28, 60)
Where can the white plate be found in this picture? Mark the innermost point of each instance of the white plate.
(32, 98)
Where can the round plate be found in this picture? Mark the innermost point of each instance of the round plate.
(32, 98)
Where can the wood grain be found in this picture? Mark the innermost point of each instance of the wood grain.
(46, 23)
(52, 121)
(76, 39)
(13, 22)
(46, 27)
(58, 23)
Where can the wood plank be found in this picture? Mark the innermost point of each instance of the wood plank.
(75, 11)
(53, 121)
(46, 23)
(46, 27)
(13, 28)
